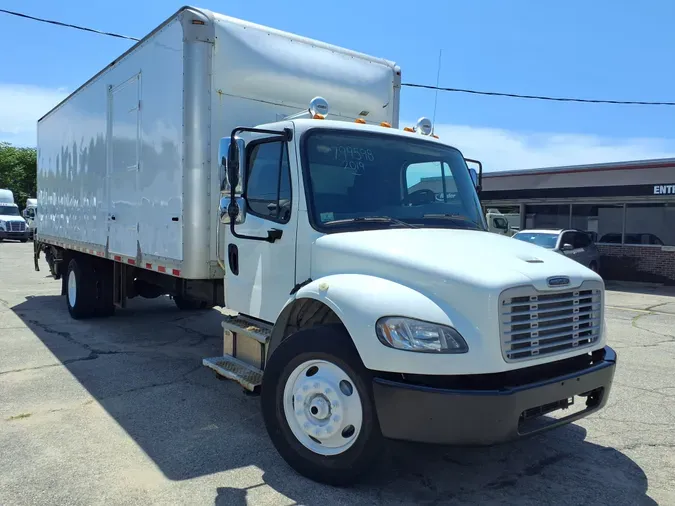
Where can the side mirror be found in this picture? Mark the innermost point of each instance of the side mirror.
(24, 213)
(227, 209)
(474, 176)
(231, 163)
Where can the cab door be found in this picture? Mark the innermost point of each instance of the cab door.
(260, 274)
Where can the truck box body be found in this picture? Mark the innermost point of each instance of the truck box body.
(128, 164)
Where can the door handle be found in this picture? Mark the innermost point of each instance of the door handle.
(112, 218)
(274, 234)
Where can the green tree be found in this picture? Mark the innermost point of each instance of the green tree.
(18, 171)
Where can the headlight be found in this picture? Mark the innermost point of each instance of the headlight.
(417, 335)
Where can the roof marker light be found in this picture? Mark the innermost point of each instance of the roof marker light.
(424, 126)
(360, 121)
(385, 124)
(318, 106)
(408, 129)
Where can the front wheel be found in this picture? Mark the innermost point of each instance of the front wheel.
(318, 408)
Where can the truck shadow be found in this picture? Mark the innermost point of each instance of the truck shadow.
(143, 366)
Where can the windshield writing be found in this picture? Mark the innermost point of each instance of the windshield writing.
(360, 175)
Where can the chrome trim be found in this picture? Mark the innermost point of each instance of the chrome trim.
(552, 322)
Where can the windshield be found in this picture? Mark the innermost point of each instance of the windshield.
(9, 210)
(545, 240)
(353, 176)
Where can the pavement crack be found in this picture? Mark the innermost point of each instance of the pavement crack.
(634, 323)
(182, 378)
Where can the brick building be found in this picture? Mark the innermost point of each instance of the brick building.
(628, 208)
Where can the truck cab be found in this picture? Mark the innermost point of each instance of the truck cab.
(30, 215)
(370, 306)
(12, 225)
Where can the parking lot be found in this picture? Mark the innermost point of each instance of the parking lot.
(121, 411)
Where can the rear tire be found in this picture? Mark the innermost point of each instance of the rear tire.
(189, 304)
(23, 240)
(80, 289)
(333, 434)
(105, 305)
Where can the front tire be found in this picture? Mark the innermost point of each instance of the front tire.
(317, 403)
(80, 289)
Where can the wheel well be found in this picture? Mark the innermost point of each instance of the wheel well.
(301, 314)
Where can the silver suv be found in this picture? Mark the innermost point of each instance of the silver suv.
(575, 244)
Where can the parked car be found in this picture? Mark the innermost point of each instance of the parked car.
(575, 244)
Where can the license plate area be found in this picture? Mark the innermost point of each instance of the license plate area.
(539, 417)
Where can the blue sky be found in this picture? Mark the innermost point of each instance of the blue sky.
(602, 49)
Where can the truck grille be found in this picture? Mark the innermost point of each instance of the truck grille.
(534, 324)
(17, 226)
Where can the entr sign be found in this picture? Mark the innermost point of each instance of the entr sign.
(664, 189)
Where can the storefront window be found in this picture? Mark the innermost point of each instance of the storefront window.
(604, 222)
(650, 224)
(547, 216)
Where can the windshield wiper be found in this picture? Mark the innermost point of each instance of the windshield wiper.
(367, 219)
(457, 217)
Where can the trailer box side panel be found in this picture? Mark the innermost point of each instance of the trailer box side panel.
(110, 169)
(260, 75)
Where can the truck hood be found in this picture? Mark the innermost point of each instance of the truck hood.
(8, 217)
(442, 257)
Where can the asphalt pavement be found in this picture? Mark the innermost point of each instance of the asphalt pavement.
(120, 411)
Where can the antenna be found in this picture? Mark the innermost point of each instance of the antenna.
(438, 78)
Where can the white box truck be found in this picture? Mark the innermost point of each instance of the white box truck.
(203, 163)
(12, 225)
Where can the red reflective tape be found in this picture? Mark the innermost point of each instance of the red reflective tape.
(117, 258)
(175, 272)
(148, 266)
(161, 268)
(131, 261)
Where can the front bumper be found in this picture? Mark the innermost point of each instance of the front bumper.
(17, 236)
(483, 416)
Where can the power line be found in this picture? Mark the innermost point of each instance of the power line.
(538, 97)
(68, 25)
(409, 85)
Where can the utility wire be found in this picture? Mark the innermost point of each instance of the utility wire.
(409, 85)
(538, 97)
(67, 25)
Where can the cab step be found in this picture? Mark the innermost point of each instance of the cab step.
(246, 327)
(246, 375)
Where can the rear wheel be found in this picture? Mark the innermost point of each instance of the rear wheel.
(80, 289)
(318, 407)
(104, 289)
(23, 240)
